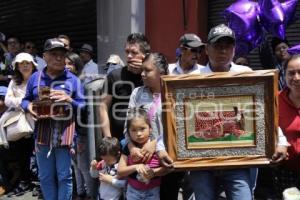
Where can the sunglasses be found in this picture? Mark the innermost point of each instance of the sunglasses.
(29, 47)
(193, 50)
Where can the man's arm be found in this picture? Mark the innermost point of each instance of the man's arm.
(105, 104)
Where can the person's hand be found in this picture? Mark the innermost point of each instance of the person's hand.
(60, 96)
(145, 173)
(135, 65)
(141, 169)
(165, 159)
(148, 150)
(72, 151)
(150, 173)
(136, 154)
(94, 164)
(280, 154)
(105, 177)
(31, 111)
(35, 116)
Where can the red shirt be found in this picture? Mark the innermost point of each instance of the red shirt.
(289, 121)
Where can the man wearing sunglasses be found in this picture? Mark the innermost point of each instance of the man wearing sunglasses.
(190, 47)
(188, 53)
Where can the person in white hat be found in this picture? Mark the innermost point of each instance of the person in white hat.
(113, 62)
(23, 66)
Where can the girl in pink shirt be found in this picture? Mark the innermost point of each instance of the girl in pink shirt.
(143, 177)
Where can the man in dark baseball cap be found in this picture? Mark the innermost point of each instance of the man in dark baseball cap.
(220, 32)
(188, 53)
(54, 43)
(220, 50)
(54, 56)
(54, 136)
(191, 40)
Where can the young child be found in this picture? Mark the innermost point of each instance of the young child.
(106, 170)
(143, 178)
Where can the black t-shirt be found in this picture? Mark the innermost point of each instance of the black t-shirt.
(120, 84)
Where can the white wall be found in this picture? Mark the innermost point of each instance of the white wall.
(116, 19)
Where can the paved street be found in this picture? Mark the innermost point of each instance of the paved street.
(26, 196)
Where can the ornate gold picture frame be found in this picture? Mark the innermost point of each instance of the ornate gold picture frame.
(220, 120)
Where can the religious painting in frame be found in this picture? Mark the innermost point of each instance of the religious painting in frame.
(220, 120)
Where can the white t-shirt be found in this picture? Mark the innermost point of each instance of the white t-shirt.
(175, 69)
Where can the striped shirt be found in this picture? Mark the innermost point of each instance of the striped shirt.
(281, 78)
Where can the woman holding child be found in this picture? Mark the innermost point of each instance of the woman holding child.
(148, 97)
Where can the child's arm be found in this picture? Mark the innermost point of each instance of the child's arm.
(155, 172)
(125, 170)
(93, 169)
(112, 180)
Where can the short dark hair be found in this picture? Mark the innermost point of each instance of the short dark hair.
(14, 37)
(29, 41)
(140, 39)
(109, 146)
(276, 41)
(159, 60)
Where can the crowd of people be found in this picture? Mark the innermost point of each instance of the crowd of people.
(132, 161)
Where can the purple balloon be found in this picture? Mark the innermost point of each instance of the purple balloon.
(243, 48)
(272, 17)
(249, 19)
(242, 19)
(294, 50)
(289, 9)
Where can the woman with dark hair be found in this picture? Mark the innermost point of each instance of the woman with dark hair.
(148, 96)
(18, 152)
(288, 174)
(74, 63)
